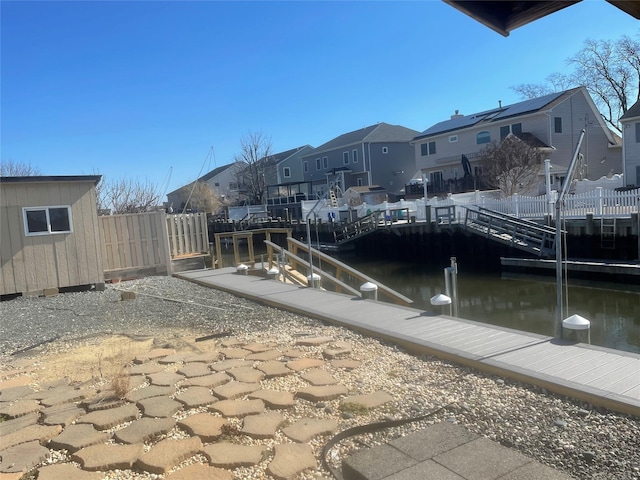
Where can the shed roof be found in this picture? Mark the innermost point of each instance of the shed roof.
(52, 178)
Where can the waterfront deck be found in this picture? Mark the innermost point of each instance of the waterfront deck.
(600, 376)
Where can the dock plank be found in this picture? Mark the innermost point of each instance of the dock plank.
(601, 376)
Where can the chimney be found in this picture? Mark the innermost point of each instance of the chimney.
(499, 103)
(456, 115)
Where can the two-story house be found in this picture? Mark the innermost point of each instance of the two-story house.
(379, 154)
(630, 122)
(289, 165)
(449, 152)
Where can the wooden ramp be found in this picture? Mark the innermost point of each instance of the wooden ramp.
(600, 376)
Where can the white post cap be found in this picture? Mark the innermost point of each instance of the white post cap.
(368, 287)
(242, 267)
(576, 322)
(440, 299)
(273, 271)
(315, 277)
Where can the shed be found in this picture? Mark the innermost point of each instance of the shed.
(49, 234)
(372, 194)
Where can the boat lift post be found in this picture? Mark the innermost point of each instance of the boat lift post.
(558, 239)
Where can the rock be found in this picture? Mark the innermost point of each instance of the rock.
(264, 425)
(307, 428)
(204, 425)
(168, 453)
(39, 433)
(290, 459)
(78, 436)
(194, 397)
(200, 472)
(23, 457)
(238, 408)
(327, 392)
(107, 457)
(159, 407)
(371, 400)
(318, 377)
(106, 419)
(274, 398)
(231, 455)
(304, 363)
(144, 429)
(66, 471)
(232, 390)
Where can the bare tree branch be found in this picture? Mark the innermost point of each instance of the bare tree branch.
(128, 196)
(252, 165)
(12, 168)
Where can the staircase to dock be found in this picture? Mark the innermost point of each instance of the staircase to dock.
(522, 234)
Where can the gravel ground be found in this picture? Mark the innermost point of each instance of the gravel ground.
(585, 442)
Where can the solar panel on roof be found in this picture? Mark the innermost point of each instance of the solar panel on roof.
(527, 106)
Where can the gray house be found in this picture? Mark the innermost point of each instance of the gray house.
(289, 165)
(449, 151)
(380, 155)
(631, 145)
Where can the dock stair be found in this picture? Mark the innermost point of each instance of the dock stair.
(522, 234)
(359, 228)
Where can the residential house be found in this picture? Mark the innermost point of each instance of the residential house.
(630, 122)
(379, 154)
(289, 165)
(49, 234)
(222, 181)
(449, 152)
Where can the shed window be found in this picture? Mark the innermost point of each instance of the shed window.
(483, 137)
(385, 150)
(47, 220)
(306, 166)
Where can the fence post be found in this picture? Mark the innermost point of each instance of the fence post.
(600, 201)
(517, 206)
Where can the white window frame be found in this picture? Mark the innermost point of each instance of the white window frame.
(345, 158)
(286, 172)
(325, 162)
(48, 220)
(453, 138)
(354, 155)
(385, 150)
(428, 149)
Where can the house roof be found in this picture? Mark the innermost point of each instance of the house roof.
(52, 178)
(280, 157)
(633, 112)
(214, 173)
(504, 16)
(497, 114)
(378, 133)
(531, 140)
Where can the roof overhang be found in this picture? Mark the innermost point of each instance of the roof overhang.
(504, 16)
(52, 178)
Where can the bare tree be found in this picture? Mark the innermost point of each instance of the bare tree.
(253, 165)
(201, 197)
(610, 70)
(128, 196)
(511, 165)
(12, 168)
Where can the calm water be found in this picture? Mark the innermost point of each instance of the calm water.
(524, 303)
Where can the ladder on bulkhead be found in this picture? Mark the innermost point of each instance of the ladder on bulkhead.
(333, 199)
(608, 233)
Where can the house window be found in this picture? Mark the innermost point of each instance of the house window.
(217, 184)
(47, 220)
(428, 148)
(354, 155)
(435, 179)
(385, 150)
(305, 166)
(483, 137)
(453, 138)
(345, 158)
(504, 131)
(516, 128)
(637, 132)
(317, 164)
(287, 172)
(325, 162)
(359, 182)
(557, 123)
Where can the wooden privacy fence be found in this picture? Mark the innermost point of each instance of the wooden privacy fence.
(135, 244)
(188, 234)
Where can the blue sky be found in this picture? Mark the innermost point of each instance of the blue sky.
(145, 89)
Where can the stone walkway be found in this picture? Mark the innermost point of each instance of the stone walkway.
(182, 414)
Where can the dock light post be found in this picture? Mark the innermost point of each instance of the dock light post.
(451, 284)
(558, 239)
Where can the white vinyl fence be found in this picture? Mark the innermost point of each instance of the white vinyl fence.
(600, 203)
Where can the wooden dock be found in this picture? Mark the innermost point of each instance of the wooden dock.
(600, 376)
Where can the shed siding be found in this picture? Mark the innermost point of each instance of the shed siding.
(34, 263)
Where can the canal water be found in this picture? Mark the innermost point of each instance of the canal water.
(525, 302)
